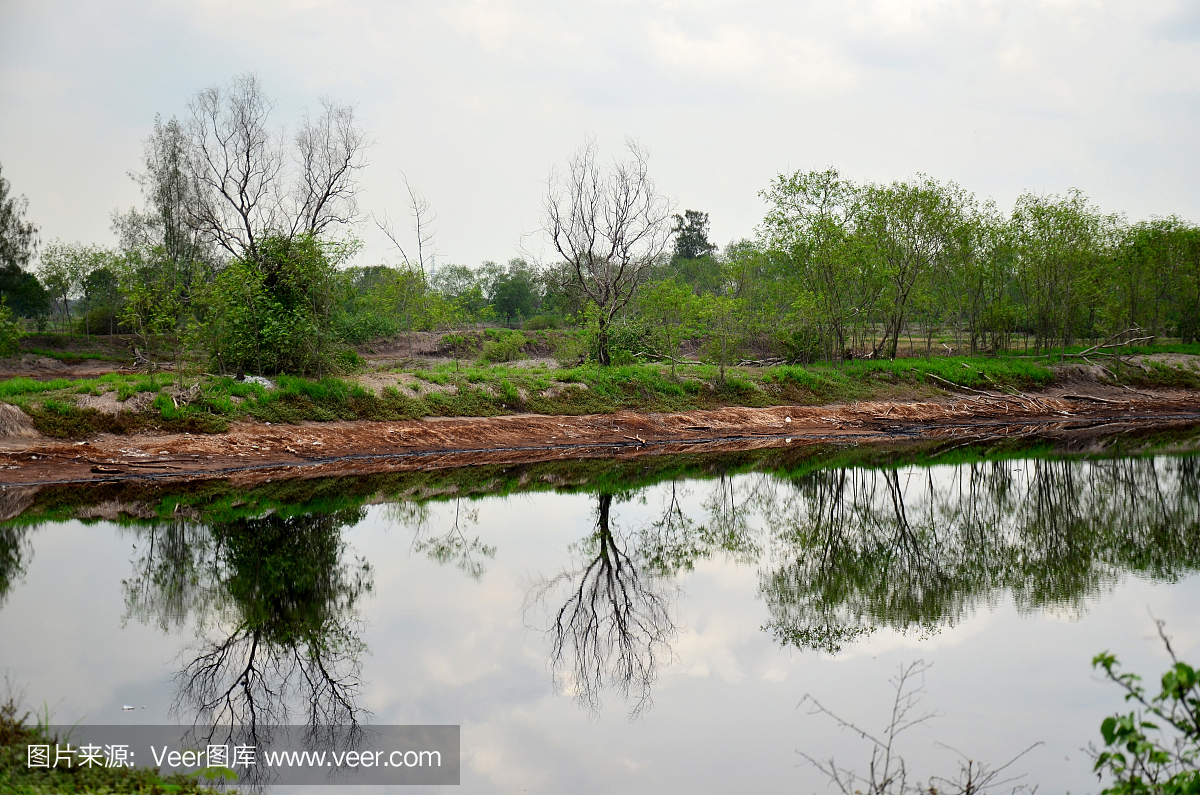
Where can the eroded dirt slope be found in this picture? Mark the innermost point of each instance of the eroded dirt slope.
(261, 451)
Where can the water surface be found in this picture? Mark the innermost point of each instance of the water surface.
(616, 627)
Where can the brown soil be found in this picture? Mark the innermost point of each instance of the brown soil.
(31, 365)
(254, 452)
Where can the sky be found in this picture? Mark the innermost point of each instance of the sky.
(476, 100)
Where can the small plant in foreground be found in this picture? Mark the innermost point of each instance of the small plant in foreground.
(1155, 749)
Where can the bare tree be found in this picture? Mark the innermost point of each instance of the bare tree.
(244, 186)
(422, 224)
(614, 627)
(887, 773)
(329, 150)
(609, 227)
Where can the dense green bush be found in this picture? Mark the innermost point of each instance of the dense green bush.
(10, 332)
(542, 322)
(504, 346)
(273, 313)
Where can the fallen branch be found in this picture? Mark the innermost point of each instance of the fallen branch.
(1098, 400)
(1108, 343)
(956, 386)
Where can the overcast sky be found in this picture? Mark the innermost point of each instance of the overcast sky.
(476, 100)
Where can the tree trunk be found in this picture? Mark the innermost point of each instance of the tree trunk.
(602, 342)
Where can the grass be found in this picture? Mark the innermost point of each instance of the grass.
(488, 389)
(16, 778)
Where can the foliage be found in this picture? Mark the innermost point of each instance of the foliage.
(691, 235)
(515, 292)
(274, 314)
(23, 292)
(504, 347)
(725, 323)
(10, 332)
(17, 732)
(18, 237)
(672, 311)
(1156, 747)
(543, 322)
(63, 268)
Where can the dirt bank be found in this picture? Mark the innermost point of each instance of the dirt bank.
(257, 451)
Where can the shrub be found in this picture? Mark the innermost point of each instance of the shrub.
(540, 322)
(10, 332)
(504, 347)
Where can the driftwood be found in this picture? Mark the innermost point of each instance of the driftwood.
(1112, 342)
(668, 358)
(143, 362)
(1098, 400)
(769, 362)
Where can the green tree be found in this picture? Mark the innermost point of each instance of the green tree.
(10, 337)
(833, 276)
(102, 293)
(1060, 242)
(173, 254)
(63, 268)
(23, 292)
(515, 292)
(691, 235)
(1154, 268)
(725, 321)
(463, 286)
(274, 313)
(913, 227)
(18, 237)
(672, 309)
(150, 301)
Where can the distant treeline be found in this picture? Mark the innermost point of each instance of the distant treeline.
(238, 261)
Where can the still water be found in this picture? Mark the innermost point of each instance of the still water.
(623, 628)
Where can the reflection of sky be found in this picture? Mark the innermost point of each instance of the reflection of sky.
(444, 648)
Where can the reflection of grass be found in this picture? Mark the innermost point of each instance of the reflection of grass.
(221, 501)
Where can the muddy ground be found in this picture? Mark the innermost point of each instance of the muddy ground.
(255, 452)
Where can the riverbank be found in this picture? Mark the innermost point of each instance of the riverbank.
(258, 451)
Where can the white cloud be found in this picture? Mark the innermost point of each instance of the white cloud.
(475, 99)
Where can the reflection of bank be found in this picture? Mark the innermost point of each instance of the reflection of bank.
(609, 621)
(275, 605)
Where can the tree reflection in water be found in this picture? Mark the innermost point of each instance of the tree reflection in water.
(858, 549)
(276, 610)
(610, 626)
(15, 553)
(840, 553)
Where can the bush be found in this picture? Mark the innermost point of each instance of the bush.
(274, 314)
(626, 338)
(542, 322)
(10, 332)
(458, 345)
(504, 347)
